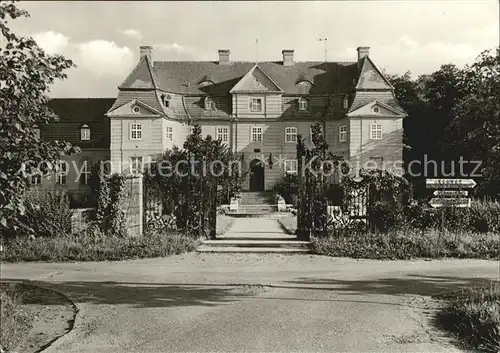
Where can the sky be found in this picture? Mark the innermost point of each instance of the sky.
(103, 38)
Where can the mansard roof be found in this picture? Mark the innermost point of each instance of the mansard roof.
(184, 76)
(141, 77)
(371, 78)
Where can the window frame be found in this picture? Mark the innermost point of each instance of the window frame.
(256, 131)
(377, 129)
(38, 131)
(311, 132)
(84, 131)
(85, 172)
(343, 133)
(252, 105)
(222, 133)
(169, 133)
(38, 179)
(209, 103)
(62, 173)
(291, 133)
(345, 102)
(134, 168)
(137, 130)
(303, 104)
(291, 166)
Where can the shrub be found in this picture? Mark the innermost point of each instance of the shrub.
(48, 214)
(288, 187)
(95, 246)
(386, 216)
(474, 316)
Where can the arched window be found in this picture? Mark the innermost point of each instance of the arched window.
(209, 103)
(302, 104)
(85, 133)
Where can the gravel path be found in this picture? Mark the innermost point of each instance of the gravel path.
(254, 302)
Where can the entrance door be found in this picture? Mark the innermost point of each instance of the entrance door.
(256, 175)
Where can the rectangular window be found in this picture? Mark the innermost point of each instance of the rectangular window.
(222, 133)
(62, 172)
(135, 131)
(311, 132)
(36, 179)
(85, 173)
(291, 166)
(135, 165)
(85, 133)
(290, 134)
(342, 133)
(256, 134)
(256, 104)
(170, 133)
(376, 131)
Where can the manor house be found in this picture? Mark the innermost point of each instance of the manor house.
(257, 109)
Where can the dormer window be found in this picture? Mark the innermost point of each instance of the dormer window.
(303, 86)
(165, 98)
(85, 133)
(205, 83)
(346, 102)
(209, 103)
(302, 104)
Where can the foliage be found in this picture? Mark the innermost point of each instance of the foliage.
(15, 323)
(288, 187)
(409, 244)
(109, 214)
(47, 214)
(473, 314)
(191, 182)
(116, 213)
(315, 165)
(26, 74)
(96, 246)
(457, 111)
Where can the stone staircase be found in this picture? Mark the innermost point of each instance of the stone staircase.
(252, 204)
(247, 235)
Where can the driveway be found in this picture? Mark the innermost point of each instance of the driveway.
(254, 303)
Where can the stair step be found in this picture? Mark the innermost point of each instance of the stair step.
(259, 250)
(260, 243)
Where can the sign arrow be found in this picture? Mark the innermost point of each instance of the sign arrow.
(437, 202)
(450, 183)
(451, 193)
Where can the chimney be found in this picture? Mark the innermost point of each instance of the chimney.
(224, 56)
(146, 50)
(287, 57)
(362, 52)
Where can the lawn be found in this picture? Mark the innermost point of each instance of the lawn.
(473, 316)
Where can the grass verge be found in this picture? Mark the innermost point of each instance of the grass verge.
(288, 223)
(408, 245)
(15, 321)
(88, 247)
(473, 316)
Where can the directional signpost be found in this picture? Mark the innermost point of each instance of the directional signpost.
(444, 197)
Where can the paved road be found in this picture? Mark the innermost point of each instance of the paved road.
(254, 303)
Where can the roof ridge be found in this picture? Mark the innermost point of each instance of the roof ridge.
(253, 62)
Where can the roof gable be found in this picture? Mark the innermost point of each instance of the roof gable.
(376, 109)
(142, 77)
(126, 110)
(371, 78)
(256, 80)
